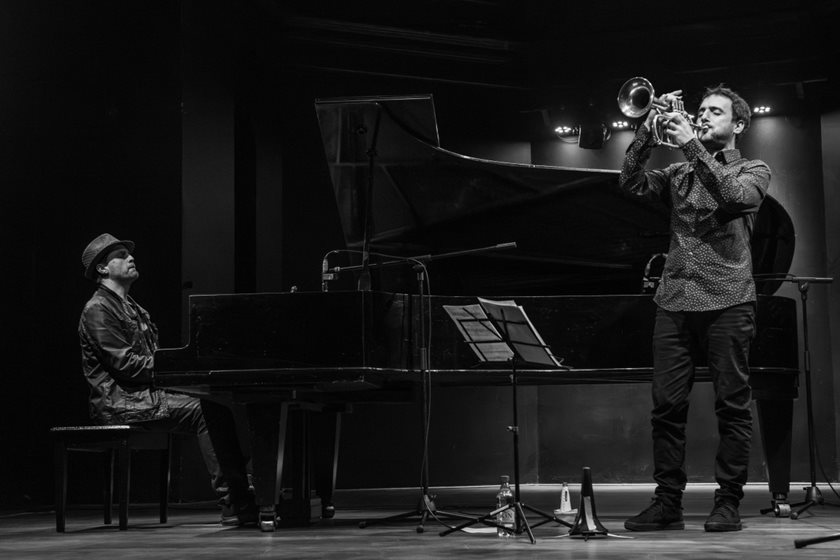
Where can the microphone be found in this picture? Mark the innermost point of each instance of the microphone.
(325, 275)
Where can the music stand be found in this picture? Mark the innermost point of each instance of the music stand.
(500, 331)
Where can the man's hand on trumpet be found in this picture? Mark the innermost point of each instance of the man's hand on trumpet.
(665, 102)
(661, 104)
(678, 128)
(672, 123)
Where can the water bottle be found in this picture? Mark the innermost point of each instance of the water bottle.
(565, 502)
(507, 518)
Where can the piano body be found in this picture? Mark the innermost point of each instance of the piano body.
(297, 361)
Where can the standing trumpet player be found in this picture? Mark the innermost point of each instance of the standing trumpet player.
(706, 296)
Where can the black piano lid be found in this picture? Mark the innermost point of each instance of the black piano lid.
(576, 233)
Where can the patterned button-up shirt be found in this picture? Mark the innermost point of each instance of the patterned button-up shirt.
(713, 203)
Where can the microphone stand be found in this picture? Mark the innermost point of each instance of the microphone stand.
(812, 493)
(364, 276)
(332, 273)
(426, 506)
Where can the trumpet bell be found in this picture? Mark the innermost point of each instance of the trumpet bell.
(635, 97)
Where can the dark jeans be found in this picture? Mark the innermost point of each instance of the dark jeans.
(215, 429)
(724, 336)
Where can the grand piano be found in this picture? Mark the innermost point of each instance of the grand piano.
(377, 330)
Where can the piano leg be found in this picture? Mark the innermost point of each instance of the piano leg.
(267, 422)
(299, 440)
(327, 433)
(775, 417)
(297, 505)
(311, 462)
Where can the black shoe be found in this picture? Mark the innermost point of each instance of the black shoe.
(239, 514)
(657, 516)
(724, 517)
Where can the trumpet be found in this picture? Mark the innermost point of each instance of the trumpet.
(635, 99)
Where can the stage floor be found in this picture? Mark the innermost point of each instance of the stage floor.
(193, 530)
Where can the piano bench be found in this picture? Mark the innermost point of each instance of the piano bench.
(116, 443)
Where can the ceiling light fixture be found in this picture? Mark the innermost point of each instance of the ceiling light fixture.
(565, 131)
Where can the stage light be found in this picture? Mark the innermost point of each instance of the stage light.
(761, 109)
(620, 125)
(565, 131)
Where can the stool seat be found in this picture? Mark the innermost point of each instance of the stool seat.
(116, 442)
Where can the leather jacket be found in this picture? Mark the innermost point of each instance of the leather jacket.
(118, 341)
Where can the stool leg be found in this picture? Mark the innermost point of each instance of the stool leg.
(60, 459)
(108, 486)
(164, 481)
(124, 467)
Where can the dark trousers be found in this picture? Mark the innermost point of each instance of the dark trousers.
(215, 429)
(724, 336)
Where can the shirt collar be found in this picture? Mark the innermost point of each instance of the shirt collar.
(115, 295)
(728, 156)
(108, 291)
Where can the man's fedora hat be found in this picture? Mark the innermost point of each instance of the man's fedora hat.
(98, 248)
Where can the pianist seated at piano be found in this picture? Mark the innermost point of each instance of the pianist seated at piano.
(118, 341)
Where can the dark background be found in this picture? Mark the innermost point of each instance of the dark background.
(189, 128)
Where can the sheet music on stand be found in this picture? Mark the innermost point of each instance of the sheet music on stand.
(480, 326)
